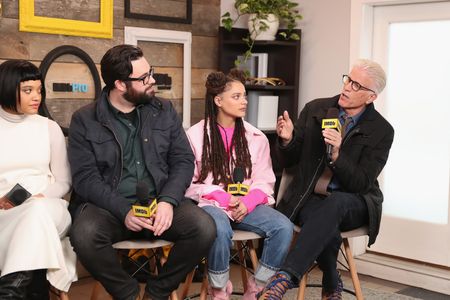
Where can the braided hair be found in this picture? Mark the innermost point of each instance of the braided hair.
(214, 157)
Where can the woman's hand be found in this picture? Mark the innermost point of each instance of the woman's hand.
(234, 201)
(239, 212)
(5, 204)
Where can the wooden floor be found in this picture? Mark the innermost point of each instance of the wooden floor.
(373, 288)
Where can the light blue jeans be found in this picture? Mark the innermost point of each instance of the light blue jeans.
(273, 226)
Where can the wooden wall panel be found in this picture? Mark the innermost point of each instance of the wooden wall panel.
(86, 10)
(34, 47)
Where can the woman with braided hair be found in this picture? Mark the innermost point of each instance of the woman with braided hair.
(221, 143)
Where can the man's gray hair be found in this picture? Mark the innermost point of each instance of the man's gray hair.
(375, 71)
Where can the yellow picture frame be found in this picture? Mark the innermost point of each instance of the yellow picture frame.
(103, 29)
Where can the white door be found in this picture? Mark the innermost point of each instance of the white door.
(412, 42)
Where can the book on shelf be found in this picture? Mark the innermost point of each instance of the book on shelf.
(256, 65)
(250, 65)
(267, 112)
(262, 63)
(251, 115)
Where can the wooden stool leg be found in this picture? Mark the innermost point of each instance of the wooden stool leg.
(187, 284)
(302, 287)
(204, 288)
(240, 246)
(174, 295)
(253, 256)
(96, 290)
(63, 296)
(352, 267)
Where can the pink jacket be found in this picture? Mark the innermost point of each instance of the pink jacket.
(262, 177)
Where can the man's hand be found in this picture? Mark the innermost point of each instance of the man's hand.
(239, 212)
(334, 138)
(163, 218)
(285, 127)
(136, 224)
(5, 204)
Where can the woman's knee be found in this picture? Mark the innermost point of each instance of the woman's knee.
(51, 209)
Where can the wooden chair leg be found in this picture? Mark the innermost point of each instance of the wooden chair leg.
(253, 256)
(187, 284)
(63, 296)
(353, 272)
(96, 290)
(204, 288)
(57, 294)
(240, 246)
(302, 287)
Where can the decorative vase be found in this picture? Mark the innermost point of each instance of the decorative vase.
(263, 34)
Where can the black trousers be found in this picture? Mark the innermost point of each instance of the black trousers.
(322, 219)
(94, 230)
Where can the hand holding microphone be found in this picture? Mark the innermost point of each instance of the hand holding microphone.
(236, 189)
(332, 133)
(142, 207)
(140, 215)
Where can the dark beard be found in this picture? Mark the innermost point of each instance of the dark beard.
(138, 98)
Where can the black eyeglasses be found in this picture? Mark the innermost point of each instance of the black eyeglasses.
(356, 86)
(144, 78)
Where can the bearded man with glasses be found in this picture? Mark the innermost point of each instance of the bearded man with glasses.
(335, 185)
(129, 138)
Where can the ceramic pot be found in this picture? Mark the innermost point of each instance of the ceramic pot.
(263, 34)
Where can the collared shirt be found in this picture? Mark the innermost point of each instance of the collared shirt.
(128, 127)
(334, 183)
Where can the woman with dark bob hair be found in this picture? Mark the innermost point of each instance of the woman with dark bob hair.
(34, 176)
(225, 145)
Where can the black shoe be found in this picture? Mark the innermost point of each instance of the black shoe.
(336, 294)
(39, 286)
(14, 286)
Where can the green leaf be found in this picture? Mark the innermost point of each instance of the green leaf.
(294, 36)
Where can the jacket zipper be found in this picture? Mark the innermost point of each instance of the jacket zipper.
(350, 134)
(307, 190)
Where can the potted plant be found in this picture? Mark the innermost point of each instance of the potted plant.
(264, 18)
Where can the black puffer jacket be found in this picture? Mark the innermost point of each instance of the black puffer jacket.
(362, 156)
(95, 155)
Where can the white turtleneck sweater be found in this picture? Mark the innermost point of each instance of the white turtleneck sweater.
(33, 153)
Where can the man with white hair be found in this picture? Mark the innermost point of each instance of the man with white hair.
(335, 185)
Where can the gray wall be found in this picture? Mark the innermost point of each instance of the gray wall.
(325, 45)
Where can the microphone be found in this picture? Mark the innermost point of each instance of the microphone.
(238, 188)
(331, 121)
(142, 207)
(17, 195)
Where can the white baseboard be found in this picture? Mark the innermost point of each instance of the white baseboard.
(404, 272)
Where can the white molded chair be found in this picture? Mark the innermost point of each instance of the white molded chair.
(349, 264)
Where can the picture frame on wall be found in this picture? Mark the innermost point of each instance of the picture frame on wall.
(29, 21)
(174, 11)
(132, 35)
